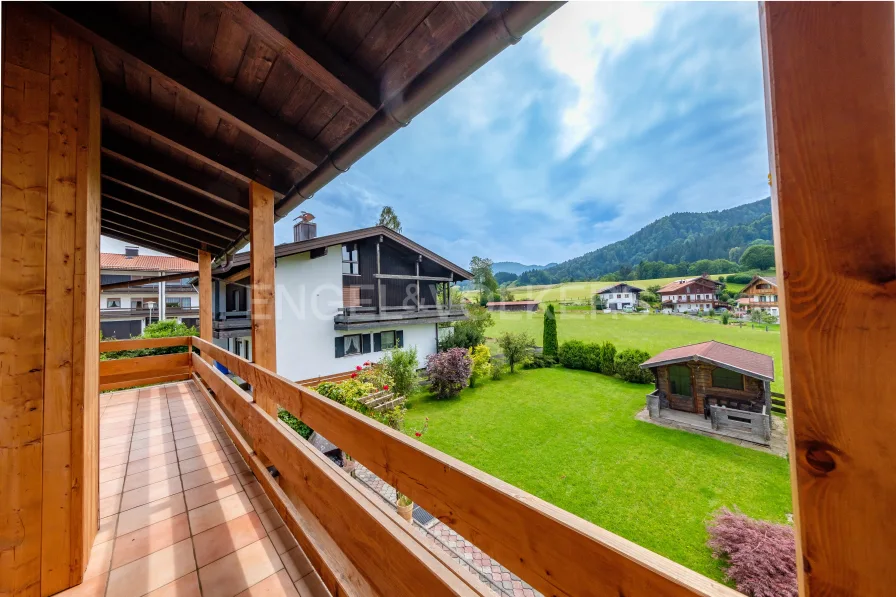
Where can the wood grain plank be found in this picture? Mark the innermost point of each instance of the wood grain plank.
(829, 75)
(167, 22)
(117, 345)
(399, 21)
(230, 44)
(264, 322)
(353, 24)
(255, 67)
(23, 213)
(205, 297)
(139, 365)
(146, 381)
(201, 22)
(555, 551)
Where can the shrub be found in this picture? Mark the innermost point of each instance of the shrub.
(739, 279)
(449, 371)
(759, 556)
(497, 364)
(572, 354)
(167, 328)
(628, 366)
(471, 332)
(725, 317)
(608, 358)
(401, 365)
(540, 361)
(482, 366)
(549, 341)
(516, 347)
(297, 425)
(591, 360)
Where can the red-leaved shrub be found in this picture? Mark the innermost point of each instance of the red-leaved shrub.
(449, 371)
(759, 556)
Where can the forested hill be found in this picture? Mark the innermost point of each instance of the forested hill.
(675, 238)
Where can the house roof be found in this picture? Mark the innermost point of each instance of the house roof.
(773, 280)
(737, 359)
(505, 303)
(152, 263)
(623, 288)
(679, 284)
(242, 259)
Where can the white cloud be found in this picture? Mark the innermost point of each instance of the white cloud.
(578, 40)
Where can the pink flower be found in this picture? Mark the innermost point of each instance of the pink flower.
(367, 364)
(354, 375)
(417, 433)
(386, 387)
(358, 367)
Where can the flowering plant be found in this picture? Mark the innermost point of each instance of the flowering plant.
(424, 429)
(449, 371)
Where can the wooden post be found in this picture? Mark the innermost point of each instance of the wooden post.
(49, 299)
(379, 289)
(417, 282)
(205, 298)
(264, 331)
(829, 72)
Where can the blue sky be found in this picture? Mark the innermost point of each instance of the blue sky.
(604, 118)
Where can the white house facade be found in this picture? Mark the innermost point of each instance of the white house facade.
(126, 311)
(620, 296)
(762, 295)
(691, 295)
(331, 317)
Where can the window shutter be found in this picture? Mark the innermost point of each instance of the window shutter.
(377, 342)
(340, 347)
(365, 343)
(399, 339)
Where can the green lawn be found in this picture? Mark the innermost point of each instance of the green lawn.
(570, 438)
(653, 333)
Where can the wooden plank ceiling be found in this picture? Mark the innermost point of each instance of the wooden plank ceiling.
(200, 98)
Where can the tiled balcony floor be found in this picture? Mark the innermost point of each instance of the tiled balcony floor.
(181, 514)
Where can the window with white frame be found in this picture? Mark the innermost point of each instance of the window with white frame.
(350, 261)
(113, 303)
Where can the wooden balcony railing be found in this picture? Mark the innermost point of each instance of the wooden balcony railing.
(359, 546)
(138, 371)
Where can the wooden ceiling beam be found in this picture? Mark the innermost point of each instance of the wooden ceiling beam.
(102, 28)
(136, 204)
(110, 214)
(150, 184)
(138, 230)
(190, 209)
(129, 152)
(118, 107)
(312, 57)
(111, 232)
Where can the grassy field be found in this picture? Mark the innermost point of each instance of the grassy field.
(653, 333)
(570, 438)
(582, 291)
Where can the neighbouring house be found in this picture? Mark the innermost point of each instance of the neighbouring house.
(125, 311)
(761, 294)
(728, 386)
(341, 300)
(691, 295)
(512, 306)
(619, 296)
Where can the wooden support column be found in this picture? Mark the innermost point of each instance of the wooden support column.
(49, 299)
(829, 73)
(205, 298)
(264, 330)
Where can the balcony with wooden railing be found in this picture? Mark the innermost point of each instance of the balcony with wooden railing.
(354, 541)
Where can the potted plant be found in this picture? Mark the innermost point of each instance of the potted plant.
(404, 505)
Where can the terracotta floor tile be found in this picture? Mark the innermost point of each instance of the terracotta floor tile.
(114, 441)
(226, 538)
(145, 464)
(115, 449)
(198, 450)
(94, 587)
(246, 478)
(211, 492)
(276, 585)
(150, 539)
(253, 489)
(152, 418)
(150, 493)
(150, 513)
(271, 520)
(197, 439)
(207, 475)
(185, 586)
(150, 476)
(189, 417)
(153, 571)
(162, 430)
(152, 425)
(106, 531)
(262, 503)
(202, 461)
(193, 432)
(100, 556)
(312, 586)
(234, 457)
(113, 460)
(229, 447)
(240, 570)
(108, 488)
(190, 424)
(110, 505)
(156, 440)
(113, 472)
(215, 513)
(241, 467)
(297, 563)
(283, 540)
(151, 451)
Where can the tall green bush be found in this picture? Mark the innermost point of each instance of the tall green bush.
(628, 366)
(608, 358)
(549, 341)
(482, 363)
(516, 348)
(572, 354)
(167, 328)
(401, 365)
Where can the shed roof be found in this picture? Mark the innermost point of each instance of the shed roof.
(737, 359)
